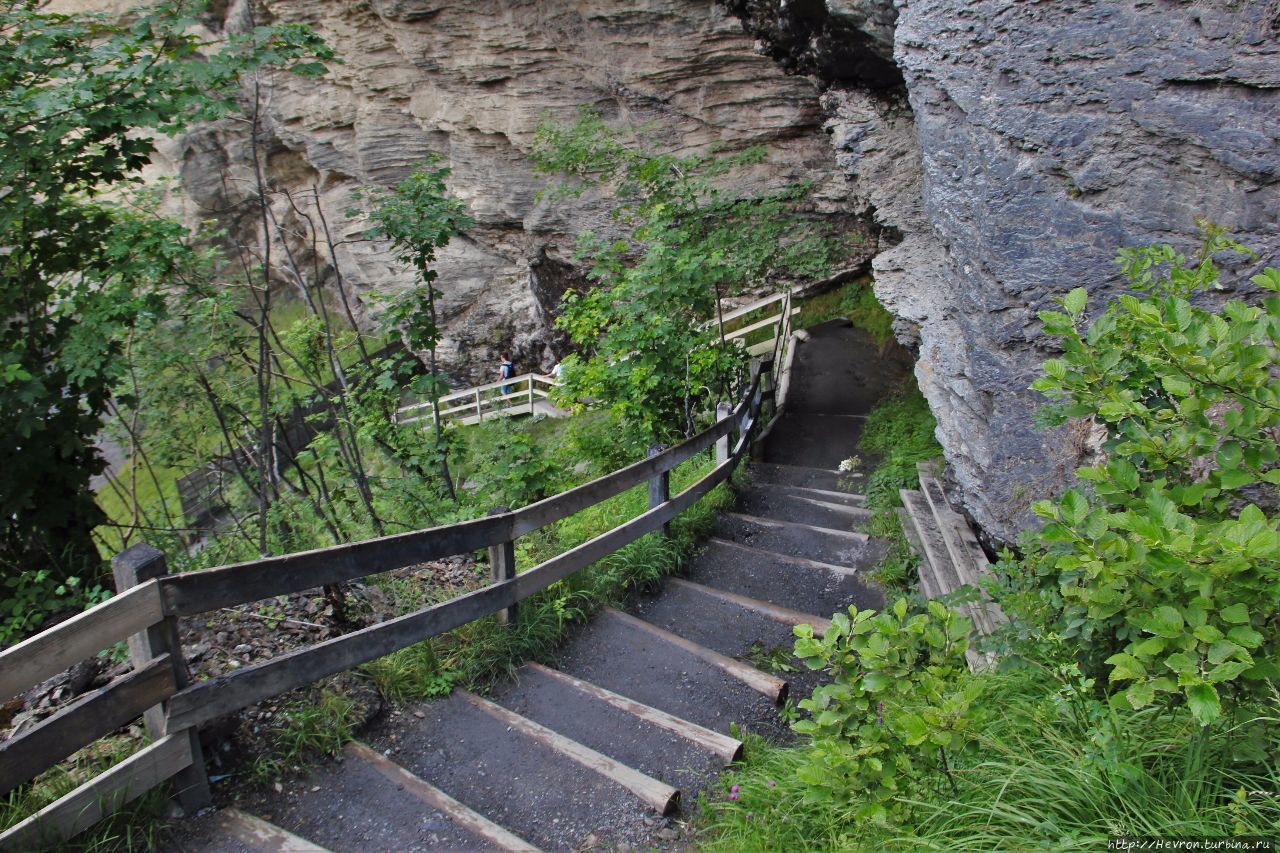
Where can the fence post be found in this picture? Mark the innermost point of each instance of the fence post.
(660, 487)
(131, 567)
(502, 567)
(723, 412)
(531, 395)
(479, 413)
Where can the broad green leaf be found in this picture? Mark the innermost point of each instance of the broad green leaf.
(1204, 703)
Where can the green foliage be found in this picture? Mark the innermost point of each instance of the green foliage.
(898, 433)
(79, 100)
(896, 712)
(29, 598)
(1166, 566)
(1049, 768)
(855, 301)
(688, 240)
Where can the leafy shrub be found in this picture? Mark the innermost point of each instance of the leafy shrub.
(1166, 566)
(897, 705)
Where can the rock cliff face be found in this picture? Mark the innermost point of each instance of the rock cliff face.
(472, 81)
(1001, 152)
(1035, 140)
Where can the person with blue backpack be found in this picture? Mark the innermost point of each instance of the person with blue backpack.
(505, 368)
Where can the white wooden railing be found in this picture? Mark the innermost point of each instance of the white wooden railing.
(529, 393)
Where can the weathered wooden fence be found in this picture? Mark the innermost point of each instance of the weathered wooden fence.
(150, 601)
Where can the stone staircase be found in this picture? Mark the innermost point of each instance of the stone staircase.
(951, 557)
(640, 712)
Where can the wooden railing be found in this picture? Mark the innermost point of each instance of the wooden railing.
(472, 405)
(150, 601)
(486, 401)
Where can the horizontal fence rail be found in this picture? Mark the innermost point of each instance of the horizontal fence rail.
(151, 600)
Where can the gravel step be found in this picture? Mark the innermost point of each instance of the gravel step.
(839, 497)
(631, 737)
(794, 475)
(840, 547)
(769, 503)
(230, 830)
(623, 657)
(813, 440)
(735, 629)
(515, 780)
(804, 585)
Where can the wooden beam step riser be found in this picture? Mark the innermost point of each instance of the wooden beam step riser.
(660, 796)
(767, 685)
(470, 820)
(726, 748)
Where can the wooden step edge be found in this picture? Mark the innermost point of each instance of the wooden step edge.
(785, 467)
(257, 834)
(776, 612)
(851, 511)
(659, 795)
(852, 499)
(798, 525)
(461, 815)
(967, 556)
(913, 539)
(805, 562)
(946, 578)
(762, 682)
(936, 558)
(724, 747)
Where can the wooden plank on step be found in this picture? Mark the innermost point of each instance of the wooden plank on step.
(936, 559)
(768, 685)
(798, 525)
(767, 609)
(90, 717)
(101, 795)
(470, 820)
(727, 748)
(658, 795)
(803, 562)
(258, 834)
(100, 627)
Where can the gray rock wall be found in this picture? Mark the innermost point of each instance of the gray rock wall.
(472, 81)
(1028, 143)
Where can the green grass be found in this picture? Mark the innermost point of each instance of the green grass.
(135, 827)
(1040, 777)
(855, 301)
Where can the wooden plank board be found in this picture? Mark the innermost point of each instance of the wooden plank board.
(817, 565)
(470, 820)
(746, 309)
(101, 795)
(727, 748)
(966, 554)
(257, 834)
(767, 609)
(210, 589)
(100, 627)
(936, 558)
(658, 795)
(94, 715)
(798, 525)
(775, 689)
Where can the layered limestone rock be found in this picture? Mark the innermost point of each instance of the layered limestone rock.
(471, 82)
(1036, 140)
